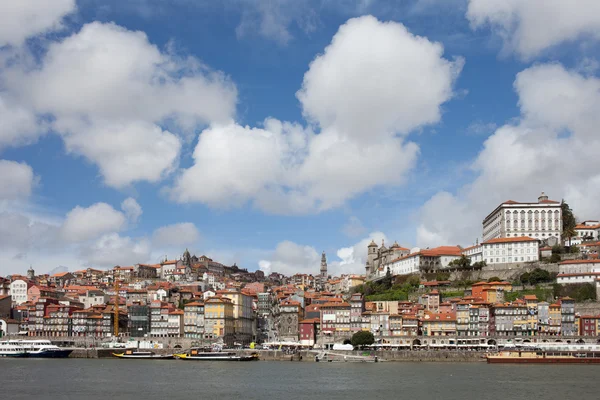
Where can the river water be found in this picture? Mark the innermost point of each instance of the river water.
(85, 379)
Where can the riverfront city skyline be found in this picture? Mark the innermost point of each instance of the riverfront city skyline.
(263, 133)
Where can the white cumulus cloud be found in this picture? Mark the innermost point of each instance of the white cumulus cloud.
(373, 82)
(290, 258)
(16, 180)
(132, 209)
(175, 235)
(82, 224)
(552, 148)
(21, 19)
(111, 93)
(532, 26)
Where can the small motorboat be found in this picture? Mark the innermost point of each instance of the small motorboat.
(143, 355)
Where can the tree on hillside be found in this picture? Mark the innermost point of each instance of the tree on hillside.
(386, 282)
(362, 338)
(463, 262)
(568, 222)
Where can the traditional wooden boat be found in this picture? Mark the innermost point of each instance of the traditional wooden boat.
(544, 357)
(143, 355)
(197, 354)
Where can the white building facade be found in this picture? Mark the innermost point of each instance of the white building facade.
(18, 291)
(510, 250)
(541, 220)
(585, 231)
(578, 271)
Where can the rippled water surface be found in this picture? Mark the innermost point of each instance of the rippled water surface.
(149, 380)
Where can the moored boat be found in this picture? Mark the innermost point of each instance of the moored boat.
(199, 355)
(143, 355)
(40, 348)
(544, 357)
(11, 350)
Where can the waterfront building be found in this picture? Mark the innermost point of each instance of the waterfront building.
(541, 220)
(139, 320)
(436, 324)
(175, 323)
(36, 318)
(335, 319)
(589, 325)
(193, 320)
(554, 319)
(357, 307)
(243, 314)
(308, 331)
(567, 312)
(159, 318)
(510, 319)
(395, 321)
(543, 317)
(218, 320)
(481, 320)
(58, 322)
(108, 325)
(287, 322)
(410, 325)
(378, 323)
(462, 318)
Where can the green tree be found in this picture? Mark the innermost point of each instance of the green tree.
(494, 279)
(524, 278)
(479, 265)
(362, 338)
(555, 258)
(568, 222)
(386, 282)
(463, 262)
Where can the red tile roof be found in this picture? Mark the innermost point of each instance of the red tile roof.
(511, 240)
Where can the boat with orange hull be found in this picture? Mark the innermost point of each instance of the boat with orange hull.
(544, 357)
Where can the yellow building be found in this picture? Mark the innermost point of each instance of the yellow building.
(554, 320)
(243, 314)
(435, 324)
(531, 302)
(218, 319)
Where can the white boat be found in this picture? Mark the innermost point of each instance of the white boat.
(145, 355)
(41, 348)
(11, 350)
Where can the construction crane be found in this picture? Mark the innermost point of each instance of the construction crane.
(116, 310)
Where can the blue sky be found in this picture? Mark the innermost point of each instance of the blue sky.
(396, 120)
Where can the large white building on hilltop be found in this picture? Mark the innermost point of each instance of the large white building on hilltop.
(541, 220)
